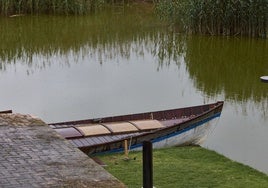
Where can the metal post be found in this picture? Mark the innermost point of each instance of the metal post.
(147, 164)
(126, 148)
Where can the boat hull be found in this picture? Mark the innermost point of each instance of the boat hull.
(185, 126)
(195, 134)
(264, 79)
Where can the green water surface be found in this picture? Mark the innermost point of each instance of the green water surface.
(124, 60)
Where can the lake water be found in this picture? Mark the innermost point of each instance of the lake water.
(124, 61)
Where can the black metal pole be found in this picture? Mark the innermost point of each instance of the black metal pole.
(147, 155)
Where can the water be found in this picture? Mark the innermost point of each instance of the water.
(124, 61)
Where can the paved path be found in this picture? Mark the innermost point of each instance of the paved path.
(34, 155)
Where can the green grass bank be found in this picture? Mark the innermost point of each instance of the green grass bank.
(185, 167)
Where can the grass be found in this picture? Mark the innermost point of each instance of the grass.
(185, 167)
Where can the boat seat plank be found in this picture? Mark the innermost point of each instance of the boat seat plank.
(93, 129)
(147, 124)
(69, 132)
(120, 127)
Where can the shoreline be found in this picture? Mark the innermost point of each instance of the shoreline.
(188, 166)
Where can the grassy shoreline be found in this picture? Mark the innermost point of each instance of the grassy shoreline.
(185, 167)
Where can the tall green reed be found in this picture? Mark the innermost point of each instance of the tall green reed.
(14, 7)
(218, 17)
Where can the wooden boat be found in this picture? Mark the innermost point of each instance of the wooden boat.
(184, 126)
(264, 79)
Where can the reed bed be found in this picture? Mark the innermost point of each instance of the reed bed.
(18, 7)
(218, 17)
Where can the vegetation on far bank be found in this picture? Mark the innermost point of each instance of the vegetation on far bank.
(185, 167)
(223, 17)
(66, 7)
(15, 7)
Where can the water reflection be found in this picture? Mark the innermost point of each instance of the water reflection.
(215, 64)
(67, 68)
(107, 32)
(231, 65)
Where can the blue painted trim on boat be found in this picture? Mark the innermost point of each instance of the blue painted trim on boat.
(199, 123)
